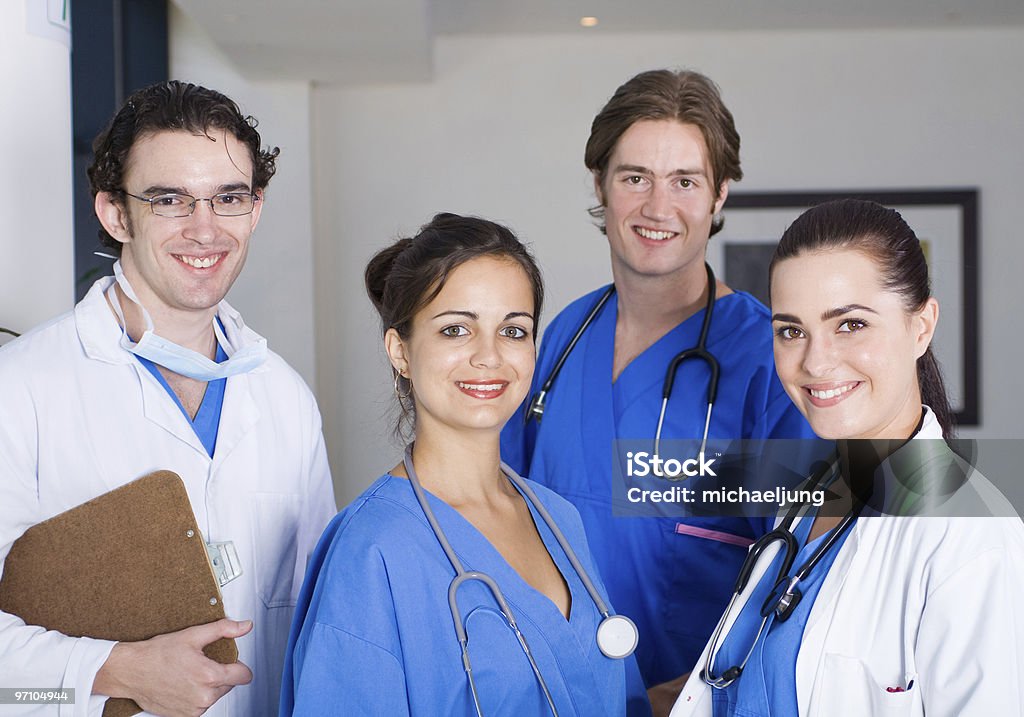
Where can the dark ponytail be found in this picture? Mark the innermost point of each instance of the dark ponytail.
(933, 392)
(881, 234)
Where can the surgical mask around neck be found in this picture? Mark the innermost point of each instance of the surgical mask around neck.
(179, 359)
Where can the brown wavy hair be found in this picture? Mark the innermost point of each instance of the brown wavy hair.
(685, 96)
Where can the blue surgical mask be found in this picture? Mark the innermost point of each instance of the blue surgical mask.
(179, 359)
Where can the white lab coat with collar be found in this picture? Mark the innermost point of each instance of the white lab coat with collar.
(80, 416)
(929, 600)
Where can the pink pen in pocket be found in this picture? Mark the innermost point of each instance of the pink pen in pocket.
(718, 535)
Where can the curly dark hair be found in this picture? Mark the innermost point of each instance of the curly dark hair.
(171, 105)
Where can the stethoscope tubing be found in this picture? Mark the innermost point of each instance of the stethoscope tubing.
(584, 576)
(462, 576)
(460, 570)
(778, 605)
(535, 409)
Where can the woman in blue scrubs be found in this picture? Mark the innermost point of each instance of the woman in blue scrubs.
(374, 631)
(908, 588)
(662, 151)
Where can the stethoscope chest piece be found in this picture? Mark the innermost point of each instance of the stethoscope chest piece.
(783, 599)
(617, 637)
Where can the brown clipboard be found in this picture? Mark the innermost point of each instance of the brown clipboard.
(126, 566)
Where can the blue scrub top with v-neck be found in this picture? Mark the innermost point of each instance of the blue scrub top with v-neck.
(672, 576)
(373, 633)
(206, 424)
(767, 686)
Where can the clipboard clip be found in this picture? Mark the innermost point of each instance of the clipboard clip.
(224, 559)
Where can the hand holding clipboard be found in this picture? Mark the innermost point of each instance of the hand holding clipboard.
(130, 565)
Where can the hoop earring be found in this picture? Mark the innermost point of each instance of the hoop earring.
(398, 392)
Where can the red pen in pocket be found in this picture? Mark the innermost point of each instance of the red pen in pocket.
(909, 686)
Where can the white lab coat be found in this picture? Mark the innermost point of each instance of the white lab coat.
(80, 416)
(933, 600)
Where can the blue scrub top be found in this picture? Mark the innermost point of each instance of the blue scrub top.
(767, 686)
(673, 577)
(373, 632)
(206, 424)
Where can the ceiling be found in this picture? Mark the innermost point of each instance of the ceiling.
(373, 41)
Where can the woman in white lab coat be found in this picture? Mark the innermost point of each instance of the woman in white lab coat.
(903, 607)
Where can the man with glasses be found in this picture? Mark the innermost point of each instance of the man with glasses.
(154, 370)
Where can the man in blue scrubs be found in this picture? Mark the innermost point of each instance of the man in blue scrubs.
(662, 151)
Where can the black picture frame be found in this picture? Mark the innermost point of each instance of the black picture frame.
(946, 220)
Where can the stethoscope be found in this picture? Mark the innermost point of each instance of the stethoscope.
(786, 594)
(617, 636)
(699, 351)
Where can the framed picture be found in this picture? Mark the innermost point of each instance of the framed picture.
(946, 221)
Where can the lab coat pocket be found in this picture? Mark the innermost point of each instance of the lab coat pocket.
(848, 689)
(275, 541)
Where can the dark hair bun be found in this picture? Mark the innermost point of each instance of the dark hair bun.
(379, 269)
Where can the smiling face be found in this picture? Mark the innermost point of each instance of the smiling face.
(185, 265)
(659, 199)
(846, 348)
(470, 353)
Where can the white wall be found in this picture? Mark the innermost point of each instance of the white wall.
(275, 290)
(36, 222)
(500, 133)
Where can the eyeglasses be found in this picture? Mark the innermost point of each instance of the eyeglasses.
(227, 204)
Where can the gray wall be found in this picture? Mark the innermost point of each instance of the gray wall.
(500, 132)
(36, 248)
